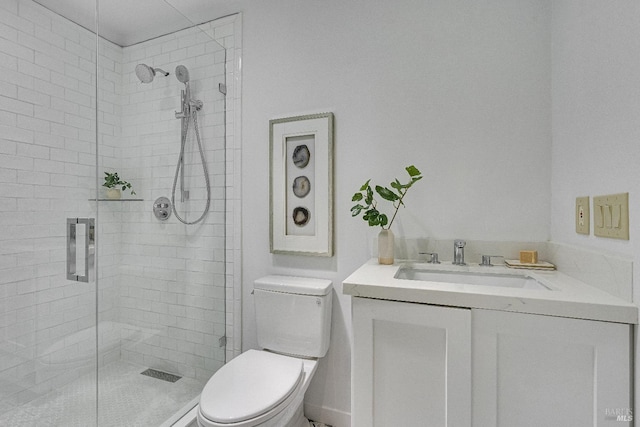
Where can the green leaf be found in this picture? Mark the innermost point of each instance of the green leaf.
(355, 211)
(370, 213)
(394, 193)
(387, 194)
(413, 171)
(365, 185)
(372, 217)
(369, 199)
(398, 186)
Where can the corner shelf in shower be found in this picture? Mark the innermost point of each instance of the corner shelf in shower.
(117, 200)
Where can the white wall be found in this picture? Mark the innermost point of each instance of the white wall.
(458, 88)
(596, 106)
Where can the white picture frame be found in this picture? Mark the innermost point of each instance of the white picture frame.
(301, 185)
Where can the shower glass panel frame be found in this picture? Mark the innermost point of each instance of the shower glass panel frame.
(72, 352)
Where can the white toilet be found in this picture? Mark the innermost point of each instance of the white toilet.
(266, 387)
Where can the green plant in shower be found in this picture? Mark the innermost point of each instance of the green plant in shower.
(112, 180)
(395, 195)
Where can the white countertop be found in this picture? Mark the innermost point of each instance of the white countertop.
(567, 296)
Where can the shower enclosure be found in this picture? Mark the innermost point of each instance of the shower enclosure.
(109, 316)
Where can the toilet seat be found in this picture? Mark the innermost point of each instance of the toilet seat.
(246, 389)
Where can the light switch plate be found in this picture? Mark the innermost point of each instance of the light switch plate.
(611, 216)
(582, 215)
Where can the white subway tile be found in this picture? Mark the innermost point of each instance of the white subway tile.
(19, 49)
(33, 124)
(30, 69)
(15, 162)
(77, 49)
(32, 12)
(50, 36)
(16, 106)
(50, 114)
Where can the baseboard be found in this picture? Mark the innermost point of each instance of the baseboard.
(333, 417)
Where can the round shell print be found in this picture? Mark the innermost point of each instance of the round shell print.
(301, 156)
(301, 186)
(301, 216)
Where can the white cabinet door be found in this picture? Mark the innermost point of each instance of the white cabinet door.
(532, 371)
(411, 365)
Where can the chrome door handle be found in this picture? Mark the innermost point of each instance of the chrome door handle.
(89, 249)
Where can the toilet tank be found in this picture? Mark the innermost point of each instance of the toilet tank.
(293, 315)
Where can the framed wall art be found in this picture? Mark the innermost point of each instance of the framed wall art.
(301, 185)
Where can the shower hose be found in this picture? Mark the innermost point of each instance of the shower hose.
(185, 124)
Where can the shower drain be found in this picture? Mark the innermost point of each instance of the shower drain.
(161, 375)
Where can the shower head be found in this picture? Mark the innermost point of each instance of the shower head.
(146, 73)
(182, 74)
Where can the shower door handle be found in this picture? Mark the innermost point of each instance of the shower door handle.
(89, 249)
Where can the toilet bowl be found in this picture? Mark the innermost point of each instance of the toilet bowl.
(266, 387)
(258, 388)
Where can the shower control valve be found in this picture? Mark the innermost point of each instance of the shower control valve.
(162, 208)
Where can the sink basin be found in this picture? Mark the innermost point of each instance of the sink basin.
(467, 278)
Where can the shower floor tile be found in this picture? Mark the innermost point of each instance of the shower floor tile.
(126, 397)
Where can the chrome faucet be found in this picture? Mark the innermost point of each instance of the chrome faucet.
(433, 257)
(458, 252)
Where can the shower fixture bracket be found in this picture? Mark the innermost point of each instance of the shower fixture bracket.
(222, 88)
(196, 104)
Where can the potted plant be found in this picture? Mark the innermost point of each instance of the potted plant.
(113, 183)
(367, 205)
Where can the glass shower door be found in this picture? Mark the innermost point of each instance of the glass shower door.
(161, 281)
(47, 174)
(132, 340)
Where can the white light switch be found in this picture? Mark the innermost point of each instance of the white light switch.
(597, 211)
(607, 216)
(615, 216)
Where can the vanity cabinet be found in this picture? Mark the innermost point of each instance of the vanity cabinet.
(532, 370)
(411, 364)
(425, 365)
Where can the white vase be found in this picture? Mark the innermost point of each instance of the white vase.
(113, 193)
(385, 247)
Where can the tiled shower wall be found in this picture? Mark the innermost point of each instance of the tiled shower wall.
(172, 282)
(47, 170)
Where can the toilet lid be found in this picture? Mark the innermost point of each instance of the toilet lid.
(250, 385)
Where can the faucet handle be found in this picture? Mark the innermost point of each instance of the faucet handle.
(486, 260)
(459, 243)
(433, 257)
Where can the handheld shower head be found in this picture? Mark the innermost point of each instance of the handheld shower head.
(182, 74)
(146, 73)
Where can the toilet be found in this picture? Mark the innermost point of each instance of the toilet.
(266, 387)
